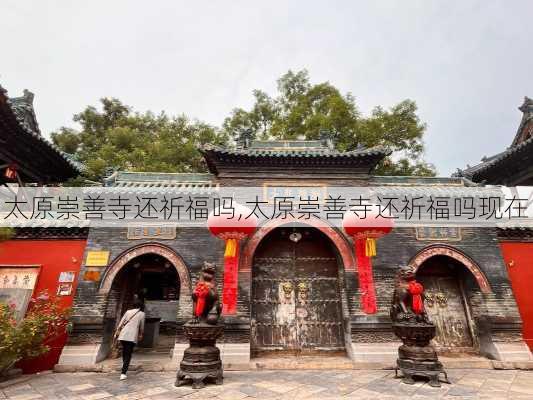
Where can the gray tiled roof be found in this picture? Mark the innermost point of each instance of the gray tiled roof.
(522, 143)
(297, 149)
(476, 172)
(438, 191)
(417, 181)
(22, 110)
(160, 180)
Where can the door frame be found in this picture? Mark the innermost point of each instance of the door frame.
(427, 253)
(120, 262)
(438, 282)
(340, 246)
(440, 249)
(469, 319)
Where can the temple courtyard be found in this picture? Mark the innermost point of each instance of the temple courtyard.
(293, 385)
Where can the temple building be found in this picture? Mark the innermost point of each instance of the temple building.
(43, 258)
(298, 287)
(20, 143)
(514, 167)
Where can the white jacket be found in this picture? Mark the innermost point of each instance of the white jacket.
(130, 332)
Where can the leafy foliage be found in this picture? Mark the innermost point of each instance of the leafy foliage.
(44, 322)
(6, 233)
(116, 138)
(302, 109)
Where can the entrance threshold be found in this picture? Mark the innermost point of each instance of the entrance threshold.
(142, 361)
(464, 361)
(301, 362)
(469, 361)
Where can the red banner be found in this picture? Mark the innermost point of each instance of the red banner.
(366, 278)
(231, 277)
(201, 292)
(416, 289)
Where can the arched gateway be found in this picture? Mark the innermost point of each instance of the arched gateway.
(156, 275)
(148, 248)
(295, 298)
(449, 278)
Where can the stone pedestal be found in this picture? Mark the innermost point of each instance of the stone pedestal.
(416, 356)
(201, 360)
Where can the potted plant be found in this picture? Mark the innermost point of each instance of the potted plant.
(45, 320)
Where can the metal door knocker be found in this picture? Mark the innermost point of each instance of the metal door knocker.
(303, 290)
(441, 299)
(429, 299)
(287, 289)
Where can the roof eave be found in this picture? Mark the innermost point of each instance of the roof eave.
(67, 168)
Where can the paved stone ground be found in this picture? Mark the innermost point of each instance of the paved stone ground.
(293, 385)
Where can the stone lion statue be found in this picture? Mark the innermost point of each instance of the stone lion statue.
(408, 298)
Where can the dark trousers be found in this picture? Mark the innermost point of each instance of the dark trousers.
(127, 351)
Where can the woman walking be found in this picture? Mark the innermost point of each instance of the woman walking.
(131, 329)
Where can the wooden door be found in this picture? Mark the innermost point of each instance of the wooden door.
(517, 258)
(446, 309)
(295, 294)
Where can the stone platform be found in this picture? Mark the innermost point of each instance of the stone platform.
(301, 363)
(158, 363)
(280, 385)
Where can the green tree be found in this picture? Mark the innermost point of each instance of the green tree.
(302, 109)
(117, 138)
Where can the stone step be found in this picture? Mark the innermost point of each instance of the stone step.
(286, 364)
(448, 362)
(302, 362)
(472, 362)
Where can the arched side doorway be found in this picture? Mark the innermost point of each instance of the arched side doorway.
(148, 248)
(296, 297)
(157, 276)
(444, 271)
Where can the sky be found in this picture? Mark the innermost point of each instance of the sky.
(467, 64)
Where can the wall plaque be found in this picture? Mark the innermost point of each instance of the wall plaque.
(67, 276)
(16, 287)
(298, 192)
(64, 289)
(97, 258)
(438, 233)
(18, 278)
(160, 232)
(92, 275)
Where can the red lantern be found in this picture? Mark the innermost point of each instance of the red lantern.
(231, 228)
(365, 231)
(11, 172)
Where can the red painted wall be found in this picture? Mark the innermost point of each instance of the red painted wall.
(54, 256)
(518, 258)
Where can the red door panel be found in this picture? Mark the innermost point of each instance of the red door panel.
(518, 259)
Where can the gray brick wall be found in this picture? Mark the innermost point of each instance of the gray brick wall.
(196, 245)
(399, 247)
(193, 245)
